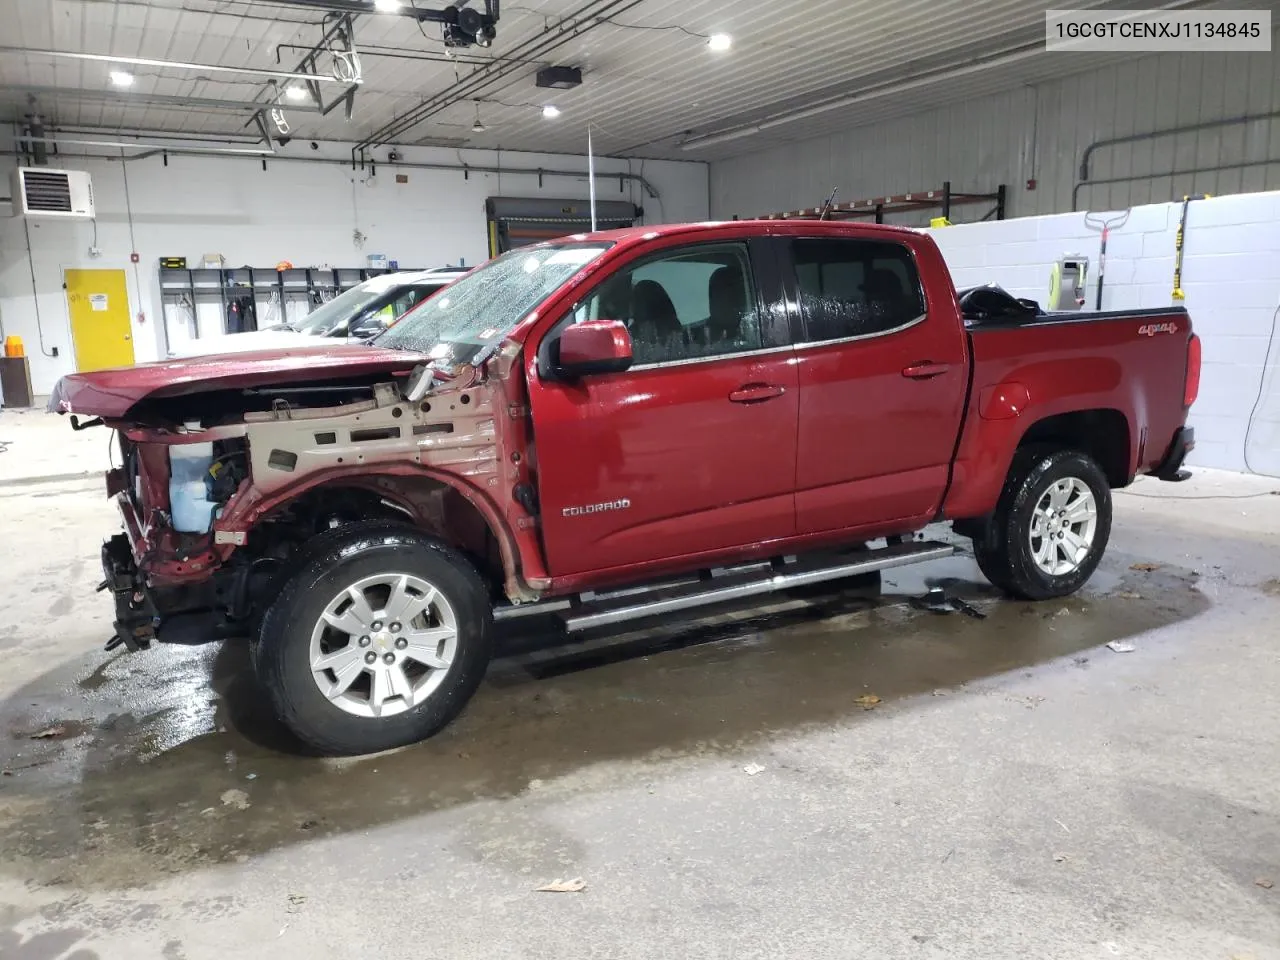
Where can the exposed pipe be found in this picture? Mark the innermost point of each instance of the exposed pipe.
(39, 148)
(152, 148)
(155, 151)
(175, 64)
(1168, 132)
(155, 99)
(588, 16)
(1220, 168)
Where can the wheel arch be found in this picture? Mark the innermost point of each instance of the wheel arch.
(1104, 434)
(431, 501)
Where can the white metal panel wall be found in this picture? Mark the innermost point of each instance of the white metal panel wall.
(1041, 132)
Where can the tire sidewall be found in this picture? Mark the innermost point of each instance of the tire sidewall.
(283, 652)
(1030, 579)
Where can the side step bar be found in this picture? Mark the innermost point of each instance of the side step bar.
(756, 580)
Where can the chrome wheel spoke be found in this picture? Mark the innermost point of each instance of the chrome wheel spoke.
(403, 605)
(1081, 510)
(424, 647)
(355, 618)
(1076, 547)
(379, 689)
(398, 684)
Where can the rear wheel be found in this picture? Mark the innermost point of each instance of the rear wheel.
(378, 640)
(1050, 527)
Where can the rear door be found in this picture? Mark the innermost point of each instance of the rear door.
(693, 449)
(883, 379)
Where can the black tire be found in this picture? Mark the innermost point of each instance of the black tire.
(334, 560)
(1005, 555)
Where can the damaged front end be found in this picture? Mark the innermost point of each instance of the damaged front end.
(222, 484)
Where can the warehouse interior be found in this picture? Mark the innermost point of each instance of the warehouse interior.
(829, 771)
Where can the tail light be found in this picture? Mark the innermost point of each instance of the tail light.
(1192, 388)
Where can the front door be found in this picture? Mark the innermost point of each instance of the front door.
(882, 386)
(101, 329)
(690, 451)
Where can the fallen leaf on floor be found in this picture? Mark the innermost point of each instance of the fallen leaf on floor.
(236, 798)
(1265, 883)
(296, 900)
(751, 769)
(564, 886)
(867, 701)
(940, 692)
(1145, 567)
(1121, 646)
(1129, 595)
(1064, 612)
(1060, 858)
(49, 733)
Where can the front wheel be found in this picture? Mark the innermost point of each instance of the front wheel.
(378, 640)
(1050, 527)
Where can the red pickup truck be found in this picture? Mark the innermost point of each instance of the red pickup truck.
(615, 426)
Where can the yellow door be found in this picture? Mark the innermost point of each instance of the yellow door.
(100, 326)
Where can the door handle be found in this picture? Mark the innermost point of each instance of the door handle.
(756, 392)
(925, 370)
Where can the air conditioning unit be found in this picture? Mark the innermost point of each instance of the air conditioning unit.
(44, 192)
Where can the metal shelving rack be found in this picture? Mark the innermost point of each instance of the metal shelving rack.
(202, 284)
(878, 207)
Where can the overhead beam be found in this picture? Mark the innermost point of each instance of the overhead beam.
(172, 64)
(126, 99)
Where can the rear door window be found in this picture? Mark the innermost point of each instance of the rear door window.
(851, 288)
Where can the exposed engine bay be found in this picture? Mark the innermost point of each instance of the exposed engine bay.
(220, 491)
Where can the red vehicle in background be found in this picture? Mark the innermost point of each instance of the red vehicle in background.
(615, 426)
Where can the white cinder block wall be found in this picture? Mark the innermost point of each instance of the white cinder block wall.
(1231, 276)
(305, 212)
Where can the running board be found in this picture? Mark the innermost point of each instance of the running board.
(757, 580)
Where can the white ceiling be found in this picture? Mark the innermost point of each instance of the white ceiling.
(645, 91)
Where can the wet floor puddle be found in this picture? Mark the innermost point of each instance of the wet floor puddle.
(176, 761)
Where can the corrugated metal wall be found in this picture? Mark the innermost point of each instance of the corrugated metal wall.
(1042, 132)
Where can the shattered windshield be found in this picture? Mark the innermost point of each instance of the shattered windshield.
(479, 309)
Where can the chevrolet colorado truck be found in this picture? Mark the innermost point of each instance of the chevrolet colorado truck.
(616, 426)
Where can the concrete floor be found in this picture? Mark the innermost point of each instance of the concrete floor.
(1020, 790)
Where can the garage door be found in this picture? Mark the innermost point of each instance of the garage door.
(516, 222)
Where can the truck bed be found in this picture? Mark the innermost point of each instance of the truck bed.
(1120, 364)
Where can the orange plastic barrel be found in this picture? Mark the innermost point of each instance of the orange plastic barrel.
(13, 347)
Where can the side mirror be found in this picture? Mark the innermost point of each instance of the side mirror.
(594, 347)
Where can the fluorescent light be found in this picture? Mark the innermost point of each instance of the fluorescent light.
(295, 92)
(121, 78)
(551, 111)
(387, 6)
(719, 42)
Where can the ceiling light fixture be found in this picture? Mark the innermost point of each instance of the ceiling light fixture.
(719, 42)
(295, 92)
(551, 111)
(121, 78)
(387, 6)
(478, 126)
